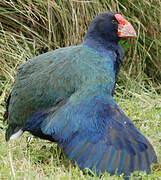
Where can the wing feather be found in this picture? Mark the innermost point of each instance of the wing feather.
(96, 134)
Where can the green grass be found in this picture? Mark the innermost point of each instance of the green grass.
(29, 28)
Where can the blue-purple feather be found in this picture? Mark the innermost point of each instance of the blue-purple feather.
(96, 134)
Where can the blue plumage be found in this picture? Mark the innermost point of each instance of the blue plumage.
(94, 132)
(66, 96)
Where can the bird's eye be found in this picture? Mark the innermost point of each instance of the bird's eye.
(114, 21)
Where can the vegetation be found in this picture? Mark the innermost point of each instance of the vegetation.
(29, 28)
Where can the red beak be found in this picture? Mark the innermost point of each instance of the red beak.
(125, 29)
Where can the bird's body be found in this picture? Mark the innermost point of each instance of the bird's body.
(54, 76)
(66, 96)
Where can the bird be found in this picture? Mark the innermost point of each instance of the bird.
(66, 96)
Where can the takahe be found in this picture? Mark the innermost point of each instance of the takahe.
(66, 96)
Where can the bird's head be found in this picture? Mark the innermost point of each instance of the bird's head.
(110, 26)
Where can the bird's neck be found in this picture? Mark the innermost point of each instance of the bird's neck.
(101, 45)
